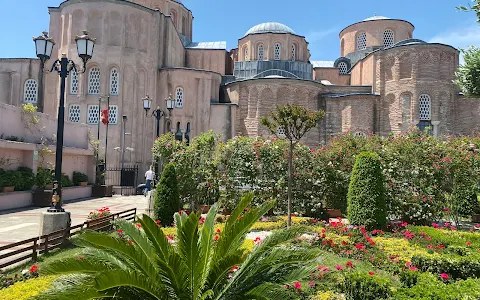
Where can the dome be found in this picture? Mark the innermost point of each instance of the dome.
(409, 42)
(376, 18)
(270, 27)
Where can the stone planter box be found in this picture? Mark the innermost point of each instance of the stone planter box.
(76, 192)
(42, 198)
(102, 191)
(15, 200)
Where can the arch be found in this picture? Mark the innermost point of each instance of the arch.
(276, 72)
(187, 134)
(342, 67)
(94, 80)
(294, 52)
(179, 97)
(143, 36)
(168, 126)
(405, 66)
(73, 82)
(114, 29)
(277, 50)
(30, 91)
(95, 25)
(260, 52)
(361, 41)
(342, 47)
(178, 134)
(184, 25)
(114, 81)
(388, 38)
(245, 53)
(389, 63)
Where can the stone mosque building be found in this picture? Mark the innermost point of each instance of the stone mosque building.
(384, 80)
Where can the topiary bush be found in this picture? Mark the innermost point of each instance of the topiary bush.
(166, 197)
(366, 192)
(359, 286)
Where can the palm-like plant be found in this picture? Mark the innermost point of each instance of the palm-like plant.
(196, 266)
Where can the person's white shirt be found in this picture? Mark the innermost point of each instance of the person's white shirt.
(149, 175)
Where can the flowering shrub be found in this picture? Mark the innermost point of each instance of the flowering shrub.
(99, 213)
(26, 274)
(27, 289)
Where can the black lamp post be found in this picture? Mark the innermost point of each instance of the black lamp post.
(157, 113)
(44, 46)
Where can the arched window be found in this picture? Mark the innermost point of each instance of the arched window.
(260, 52)
(74, 113)
(424, 111)
(294, 52)
(179, 134)
(276, 54)
(94, 81)
(281, 132)
(30, 91)
(168, 126)
(73, 82)
(388, 38)
(187, 134)
(342, 67)
(245, 53)
(361, 41)
(114, 80)
(179, 97)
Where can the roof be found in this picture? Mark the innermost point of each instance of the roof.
(270, 27)
(322, 64)
(222, 45)
(377, 18)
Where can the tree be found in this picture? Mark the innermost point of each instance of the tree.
(200, 264)
(166, 198)
(468, 74)
(295, 121)
(366, 192)
(475, 7)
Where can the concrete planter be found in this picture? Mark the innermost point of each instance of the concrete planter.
(42, 198)
(102, 191)
(15, 200)
(76, 192)
(8, 189)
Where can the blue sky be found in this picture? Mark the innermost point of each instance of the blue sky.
(319, 21)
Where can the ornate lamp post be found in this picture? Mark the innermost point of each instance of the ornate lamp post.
(158, 113)
(44, 46)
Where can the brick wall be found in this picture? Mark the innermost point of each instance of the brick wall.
(467, 115)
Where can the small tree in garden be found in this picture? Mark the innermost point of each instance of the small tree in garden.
(366, 192)
(166, 198)
(296, 121)
(468, 74)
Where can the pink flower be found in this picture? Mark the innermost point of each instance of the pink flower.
(339, 267)
(311, 284)
(297, 285)
(444, 276)
(435, 225)
(413, 269)
(257, 240)
(469, 244)
(324, 269)
(408, 264)
(349, 265)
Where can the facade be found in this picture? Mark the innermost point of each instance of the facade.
(384, 80)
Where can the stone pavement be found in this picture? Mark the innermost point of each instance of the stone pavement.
(22, 224)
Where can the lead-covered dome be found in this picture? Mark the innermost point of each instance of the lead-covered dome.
(377, 18)
(270, 27)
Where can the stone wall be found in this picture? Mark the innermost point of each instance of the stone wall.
(331, 74)
(204, 59)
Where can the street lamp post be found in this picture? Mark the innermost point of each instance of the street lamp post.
(157, 113)
(44, 46)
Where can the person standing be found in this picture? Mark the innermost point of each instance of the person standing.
(149, 179)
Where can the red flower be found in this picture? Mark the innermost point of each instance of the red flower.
(257, 240)
(235, 269)
(344, 243)
(371, 273)
(339, 267)
(218, 230)
(311, 284)
(170, 238)
(138, 225)
(360, 246)
(413, 269)
(216, 237)
(34, 269)
(349, 265)
(131, 242)
(429, 246)
(202, 220)
(469, 244)
(157, 222)
(120, 231)
(444, 276)
(297, 285)
(323, 269)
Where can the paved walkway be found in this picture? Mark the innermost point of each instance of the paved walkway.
(22, 224)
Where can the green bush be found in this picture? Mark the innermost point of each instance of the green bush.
(8, 178)
(454, 266)
(409, 278)
(25, 179)
(44, 177)
(360, 286)
(366, 193)
(166, 198)
(66, 182)
(78, 177)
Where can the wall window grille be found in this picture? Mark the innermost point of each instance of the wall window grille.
(94, 81)
(276, 54)
(425, 108)
(74, 113)
(388, 38)
(179, 97)
(342, 67)
(93, 116)
(113, 115)
(73, 82)
(362, 41)
(281, 131)
(30, 91)
(260, 52)
(294, 53)
(114, 80)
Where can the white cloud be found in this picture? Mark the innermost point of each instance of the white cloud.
(460, 38)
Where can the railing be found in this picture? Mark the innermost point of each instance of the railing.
(48, 242)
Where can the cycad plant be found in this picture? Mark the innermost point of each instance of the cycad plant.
(199, 264)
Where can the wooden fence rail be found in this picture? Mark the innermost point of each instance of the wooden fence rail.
(31, 248)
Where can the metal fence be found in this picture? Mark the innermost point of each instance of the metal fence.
(123, 178)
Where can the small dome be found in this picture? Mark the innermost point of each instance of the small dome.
(409, 42)
(376, 18)
(270, 27)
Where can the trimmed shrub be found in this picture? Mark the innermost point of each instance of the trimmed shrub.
(409, 278)
(25, 179)
(66, 182)
(166, 197)
(359, 286)
(366, 193)
(78, 177)
(454, 266)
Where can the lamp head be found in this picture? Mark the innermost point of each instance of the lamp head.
(44, 46)
(85, 45)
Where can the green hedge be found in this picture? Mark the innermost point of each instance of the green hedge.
(366, 193)
(360, 286)
(166, 198)
(22, 179)
(78, 177)
(454, 266)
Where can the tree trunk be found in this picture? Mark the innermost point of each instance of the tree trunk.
(290, 175)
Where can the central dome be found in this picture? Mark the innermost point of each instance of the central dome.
(270, 27)
(377, 18)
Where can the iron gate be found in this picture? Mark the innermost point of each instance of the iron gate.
(123, 178)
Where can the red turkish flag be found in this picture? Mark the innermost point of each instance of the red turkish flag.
(104, 116)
